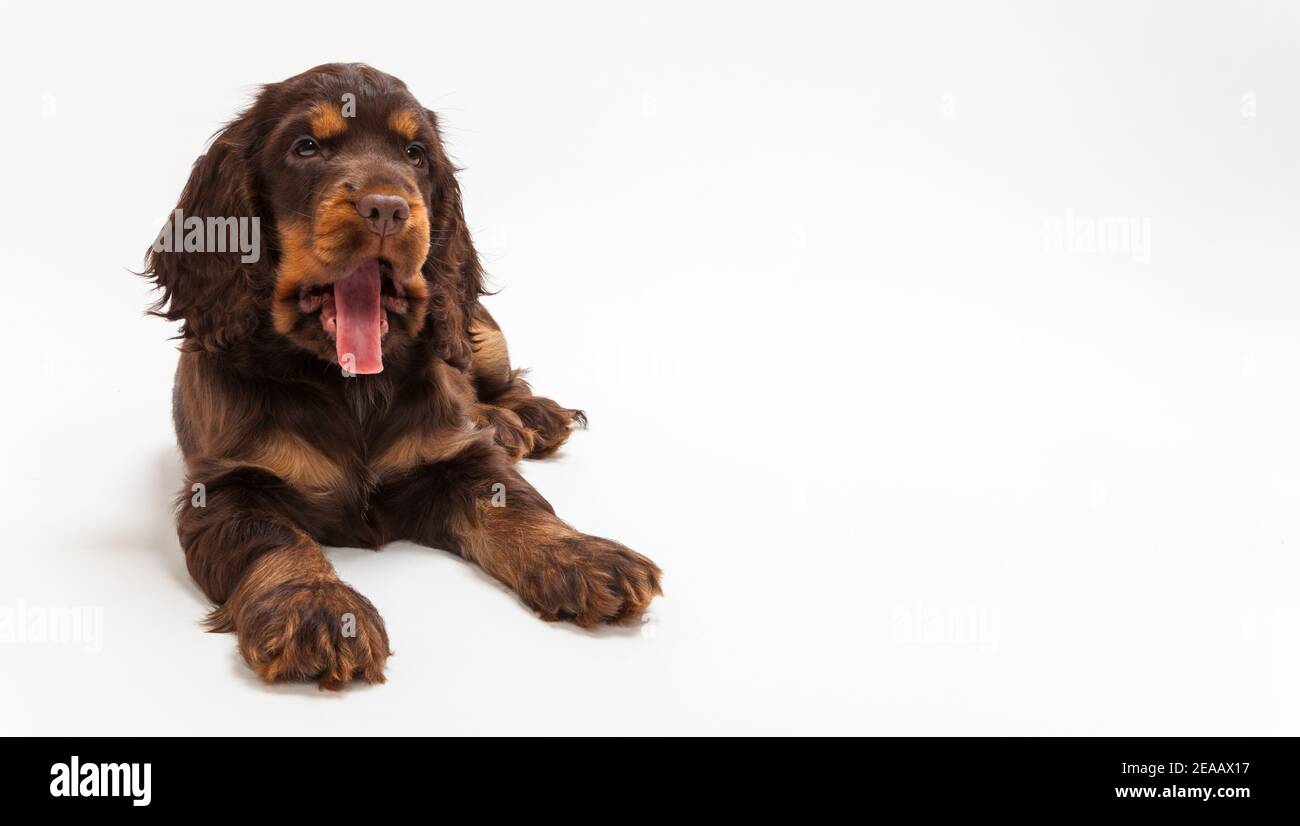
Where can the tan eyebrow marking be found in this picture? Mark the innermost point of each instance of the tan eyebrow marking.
(405, 122)
(326, 121)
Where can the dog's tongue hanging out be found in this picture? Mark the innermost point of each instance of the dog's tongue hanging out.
(356, 299)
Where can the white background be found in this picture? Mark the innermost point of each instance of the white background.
(910, 466)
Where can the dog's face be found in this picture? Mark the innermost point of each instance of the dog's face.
(350, 183)
(367, 240)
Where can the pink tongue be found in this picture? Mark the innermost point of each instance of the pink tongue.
(357, 301)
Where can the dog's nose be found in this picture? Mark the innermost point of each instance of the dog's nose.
(384, 214)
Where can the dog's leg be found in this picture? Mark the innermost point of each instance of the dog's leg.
(528, 426)
(275, 589)
(476, 505)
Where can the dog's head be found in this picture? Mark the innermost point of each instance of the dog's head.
(339, 177)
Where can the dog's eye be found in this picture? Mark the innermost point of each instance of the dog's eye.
(306, 148)
(415, 153)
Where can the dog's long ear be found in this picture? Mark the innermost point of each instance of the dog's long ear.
(452, 267)
(211, 290)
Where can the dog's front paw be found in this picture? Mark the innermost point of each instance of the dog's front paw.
(589, 580)
(322, 631)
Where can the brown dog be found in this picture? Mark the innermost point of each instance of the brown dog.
(347, 387)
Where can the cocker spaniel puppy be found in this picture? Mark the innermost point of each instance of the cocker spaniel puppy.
(341, 383)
